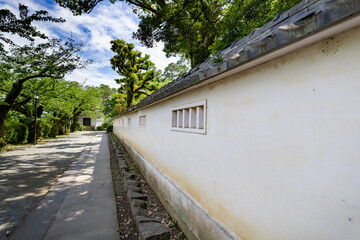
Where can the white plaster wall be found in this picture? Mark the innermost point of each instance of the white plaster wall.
(94, 121)
(280, 159)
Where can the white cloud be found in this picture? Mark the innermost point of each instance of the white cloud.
(94, 77)
(106, 22)
(157, 55)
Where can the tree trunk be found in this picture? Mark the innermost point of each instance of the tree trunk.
(3, 112)
(30, 125)
(55, 127)
(198, 56)
(129, 98)
(30, 138)
(62, 127)
(75, 119)
(5, 108)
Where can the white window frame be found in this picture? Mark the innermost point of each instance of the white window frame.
(143, 115)
(189, 117)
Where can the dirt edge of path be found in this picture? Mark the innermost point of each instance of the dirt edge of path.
(127, 225)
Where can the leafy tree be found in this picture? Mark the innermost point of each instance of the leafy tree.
(59, 105)
(52, 59)
(80, 6)
(193, 28)
(175, 70)
(67, 101)
(25, 111)
(138, 73)
(86, 6)
(24, 69)
(110, 110)
(110, 101)
(245, 15)
(9, 23)
(54, 104)
(106, 92)
(114, 106)
(187, 27)
(86, 100)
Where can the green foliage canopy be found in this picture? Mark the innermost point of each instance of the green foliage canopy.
(138, 72)
(175, 70)
(31, 63)
(245, 15)
(22, 26)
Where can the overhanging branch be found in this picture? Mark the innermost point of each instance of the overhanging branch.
(142, 6)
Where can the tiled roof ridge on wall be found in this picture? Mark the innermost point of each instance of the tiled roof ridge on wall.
(297, 22)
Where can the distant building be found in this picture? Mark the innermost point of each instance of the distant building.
(90, 123)
(266, 144)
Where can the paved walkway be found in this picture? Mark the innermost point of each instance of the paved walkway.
(81, 205)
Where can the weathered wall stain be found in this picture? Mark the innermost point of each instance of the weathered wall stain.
(331, 46)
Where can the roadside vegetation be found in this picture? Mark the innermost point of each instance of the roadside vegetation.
(33, 84)
(36, 100)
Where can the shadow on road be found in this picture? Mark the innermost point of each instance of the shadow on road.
(27, 174)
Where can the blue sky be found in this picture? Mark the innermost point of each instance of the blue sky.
(106, 22)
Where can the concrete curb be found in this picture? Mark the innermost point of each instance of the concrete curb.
(149, 228)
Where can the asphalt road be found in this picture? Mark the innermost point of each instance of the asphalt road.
(58, 190)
